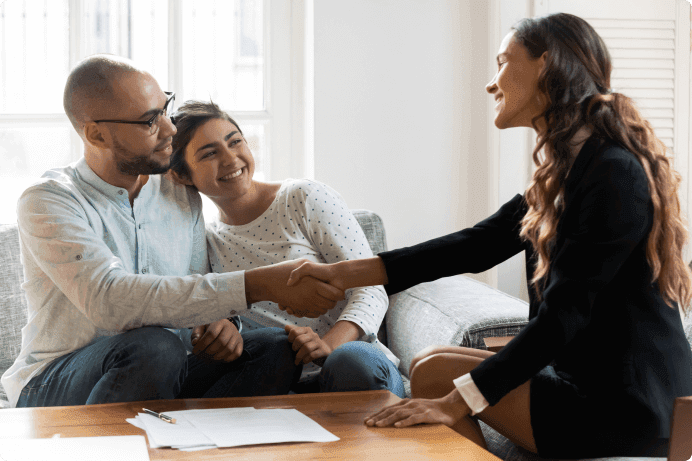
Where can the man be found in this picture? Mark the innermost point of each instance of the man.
(108, 247)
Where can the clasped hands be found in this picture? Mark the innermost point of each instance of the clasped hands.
(219, 340)
(299, 287)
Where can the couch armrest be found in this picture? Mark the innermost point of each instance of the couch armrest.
(496, 343)
(456, 311)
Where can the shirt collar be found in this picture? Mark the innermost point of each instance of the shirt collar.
(109, 190)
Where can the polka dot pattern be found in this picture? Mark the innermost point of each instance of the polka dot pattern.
(307, 220)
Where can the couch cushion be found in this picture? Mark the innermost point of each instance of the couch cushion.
(456, 311)
(373, 228)
(12, 301)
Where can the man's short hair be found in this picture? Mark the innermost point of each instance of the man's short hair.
(90, 84)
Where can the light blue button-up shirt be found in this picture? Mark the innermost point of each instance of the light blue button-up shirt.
(95, 266)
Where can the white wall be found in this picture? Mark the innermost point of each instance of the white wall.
(515, 146)
(401, 112)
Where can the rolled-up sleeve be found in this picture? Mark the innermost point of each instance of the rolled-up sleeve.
(55, 230)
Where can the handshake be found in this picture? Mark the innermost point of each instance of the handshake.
(307, 289)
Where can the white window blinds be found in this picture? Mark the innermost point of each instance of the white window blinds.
(643, 54)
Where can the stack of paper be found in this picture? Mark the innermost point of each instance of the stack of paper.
(230, 427)
(129, 447)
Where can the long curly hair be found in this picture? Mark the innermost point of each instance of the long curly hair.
(576, 84)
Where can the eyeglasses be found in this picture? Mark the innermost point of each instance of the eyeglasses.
(153, 122)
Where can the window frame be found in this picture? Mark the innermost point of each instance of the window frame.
(286, 117)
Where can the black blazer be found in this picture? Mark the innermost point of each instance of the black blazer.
(612, 340)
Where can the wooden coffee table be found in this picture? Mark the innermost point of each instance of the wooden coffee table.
(340, 413)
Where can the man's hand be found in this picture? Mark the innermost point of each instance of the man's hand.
(342, 275)
(218, 341)
(446, 410)
(328, 273)
(309, 345)
(308, 298)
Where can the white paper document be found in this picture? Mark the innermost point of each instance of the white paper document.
(260, 426)
(230, 427)
(129, 447)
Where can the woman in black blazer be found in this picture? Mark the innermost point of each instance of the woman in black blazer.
(596, 370)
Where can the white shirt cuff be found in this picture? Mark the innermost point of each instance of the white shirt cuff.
(230, 287)
(470, 393)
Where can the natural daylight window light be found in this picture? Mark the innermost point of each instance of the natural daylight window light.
(200, 49)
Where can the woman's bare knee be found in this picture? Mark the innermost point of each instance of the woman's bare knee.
(433, 376)
(423, 353)
(433, 350)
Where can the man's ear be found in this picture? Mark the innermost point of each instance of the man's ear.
(179, 179)
(94, 136)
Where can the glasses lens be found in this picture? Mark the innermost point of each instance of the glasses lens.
(167, 111)
(155, 124)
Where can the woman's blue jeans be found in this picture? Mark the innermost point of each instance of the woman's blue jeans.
(151, 363)
(353, 366)
(360, 366)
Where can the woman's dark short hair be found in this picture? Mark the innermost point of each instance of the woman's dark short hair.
(190, 116)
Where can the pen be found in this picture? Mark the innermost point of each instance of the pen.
(161, 416)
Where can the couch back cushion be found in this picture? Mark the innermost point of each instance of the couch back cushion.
(12, 301)
(373, 228)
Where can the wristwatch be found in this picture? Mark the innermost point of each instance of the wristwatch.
(235, 320)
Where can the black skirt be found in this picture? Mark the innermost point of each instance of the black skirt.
(568, 424)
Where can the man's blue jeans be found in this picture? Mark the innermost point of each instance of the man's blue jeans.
(151, 363)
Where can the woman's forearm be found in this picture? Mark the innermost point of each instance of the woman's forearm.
(342, 332)
(361, 272)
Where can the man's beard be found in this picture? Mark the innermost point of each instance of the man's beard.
(137, 165)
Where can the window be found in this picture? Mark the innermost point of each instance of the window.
(201, 49)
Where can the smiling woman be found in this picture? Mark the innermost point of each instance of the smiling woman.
(597, 369)
(221, 164)
(515, 86)
(264, 223)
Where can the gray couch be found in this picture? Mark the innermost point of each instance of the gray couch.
(456, 310)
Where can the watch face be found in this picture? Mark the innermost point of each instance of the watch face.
(235, 320)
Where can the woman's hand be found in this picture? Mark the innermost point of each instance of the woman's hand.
(328, 273)
(217, 341)
(341, 276)
(307, 298)
(309, 345)
(446, 410)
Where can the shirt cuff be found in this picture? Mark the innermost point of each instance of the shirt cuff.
(471, 394)
(230, 288)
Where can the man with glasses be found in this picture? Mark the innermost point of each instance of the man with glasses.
(113, 252)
